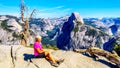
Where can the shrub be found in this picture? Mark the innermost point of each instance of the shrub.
(16, 35)
(102, 33)
(92, 32)
(76, 29)
(30, 46)
(46, 40)
(117, 49)
(4, 26)
(76, 26)
(54, 47)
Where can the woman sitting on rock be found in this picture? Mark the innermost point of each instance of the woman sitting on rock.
(39, 52)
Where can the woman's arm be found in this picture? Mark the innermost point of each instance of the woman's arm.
(39, 51)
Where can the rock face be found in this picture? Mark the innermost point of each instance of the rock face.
(9, 29)
(76, 17)
(75, 34)
(3, 18)
(49, 29)
(115, 29)
(13, 25)
(21, 57)
(108, 25)
(108, 46)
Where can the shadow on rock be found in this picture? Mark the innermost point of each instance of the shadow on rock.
(107, 63)
(101, 60)
(28, 57)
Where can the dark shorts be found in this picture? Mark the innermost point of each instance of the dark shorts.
(41, 55)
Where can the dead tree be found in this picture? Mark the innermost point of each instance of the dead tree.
(25, 33)
(113, 57)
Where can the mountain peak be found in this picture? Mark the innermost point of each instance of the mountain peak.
(76, 17)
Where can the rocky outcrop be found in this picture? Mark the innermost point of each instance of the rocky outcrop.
(13, 25)
(17, 56)
(76, 34)
(115, 29)
(108, 25)
(7, 38)
(49, 29)
(75, 17)
(9, 30)
(2, 18)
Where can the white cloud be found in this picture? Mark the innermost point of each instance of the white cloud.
(57, 11)
(54, 14)
(11, 13)
(58, 7)
(67, 9)
(47, 9)
(47, 15)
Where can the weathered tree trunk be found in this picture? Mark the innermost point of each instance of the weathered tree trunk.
(114, 58)
(22, 9)
(26, 33)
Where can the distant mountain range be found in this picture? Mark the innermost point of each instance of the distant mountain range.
(50, 29)
(105, 24)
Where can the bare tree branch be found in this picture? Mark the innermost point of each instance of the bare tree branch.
(22, 9)
(26, 33)
(32, 14)
(114, 58)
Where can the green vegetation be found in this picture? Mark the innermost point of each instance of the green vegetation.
(45, 47)
(92, 32)
(117, 49)
(30, 46)
(16, 35)
(47, 41)
(54, 47)
(4, 26)
(102, 33)
(52, 33)
(76, 28)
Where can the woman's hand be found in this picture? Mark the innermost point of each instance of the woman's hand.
(39, 51)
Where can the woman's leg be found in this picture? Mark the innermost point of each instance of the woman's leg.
(50, 57)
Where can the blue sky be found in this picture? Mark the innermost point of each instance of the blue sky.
(58, 8)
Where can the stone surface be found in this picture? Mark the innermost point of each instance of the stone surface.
(51, 28)
(13, 25)
(75, 17)
(17, 56)
(3, 18)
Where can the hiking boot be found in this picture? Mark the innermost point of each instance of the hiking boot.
(54, 64)
(60, 61)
